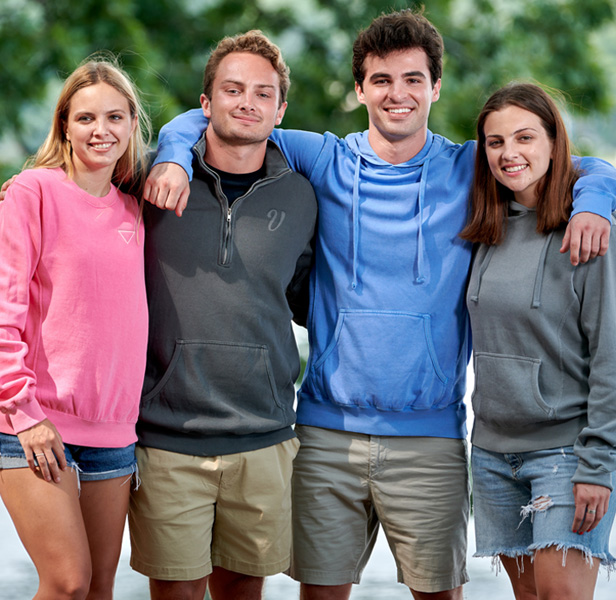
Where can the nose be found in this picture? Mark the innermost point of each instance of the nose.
(397, 91)
(247, 102)
(510, 150)
(100, 127)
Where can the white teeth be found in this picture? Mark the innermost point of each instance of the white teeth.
(101, 146)
(514, 169)
(399, 110)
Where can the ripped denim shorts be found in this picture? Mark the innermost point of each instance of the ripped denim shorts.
(509, 521)
(92, 464)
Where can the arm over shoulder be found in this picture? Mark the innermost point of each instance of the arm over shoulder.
(594, 199)
(176, 139)
(595, 190)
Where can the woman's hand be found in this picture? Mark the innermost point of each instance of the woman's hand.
(591, 503)
(44, 450)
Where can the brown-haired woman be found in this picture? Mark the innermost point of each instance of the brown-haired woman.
(544, 339)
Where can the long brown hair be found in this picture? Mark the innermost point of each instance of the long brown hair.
(56, 151)
(489, 198)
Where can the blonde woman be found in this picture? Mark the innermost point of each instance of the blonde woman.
(73, 328)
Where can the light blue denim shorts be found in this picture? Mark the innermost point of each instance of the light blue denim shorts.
(509, 522)
(92, 464)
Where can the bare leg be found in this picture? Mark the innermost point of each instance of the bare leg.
(325, 592)
(455, 594)
(575, 581)
(104, 505)
(227, 585)
(178, 590)
(48, 519)
(521, 573)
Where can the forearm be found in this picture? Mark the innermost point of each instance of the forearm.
(176, 139)
(595, 190)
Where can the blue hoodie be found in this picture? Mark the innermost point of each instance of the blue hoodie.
(388, 327)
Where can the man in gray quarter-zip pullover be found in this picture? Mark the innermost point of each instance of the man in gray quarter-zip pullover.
(224, 281)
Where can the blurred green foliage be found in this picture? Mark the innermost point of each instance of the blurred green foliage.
(164, 45)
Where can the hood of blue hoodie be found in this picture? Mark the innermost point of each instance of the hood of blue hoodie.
(360, 146)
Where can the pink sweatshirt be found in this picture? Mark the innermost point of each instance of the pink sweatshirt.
(73, 312)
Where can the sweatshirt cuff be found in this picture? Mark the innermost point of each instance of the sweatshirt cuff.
(597, 203)
(169, 154)
(26, 415)
(585, 474)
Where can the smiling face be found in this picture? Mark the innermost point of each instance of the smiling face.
(518, 150)
(398, 93)
(245, 103)
(98, 126)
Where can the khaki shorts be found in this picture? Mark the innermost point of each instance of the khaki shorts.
(191, 513)
(347, 484)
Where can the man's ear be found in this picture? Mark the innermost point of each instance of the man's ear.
(280, 113)
(206, 105)
(360, 93)
(436, 91)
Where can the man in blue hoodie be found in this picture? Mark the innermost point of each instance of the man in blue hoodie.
(380, 415)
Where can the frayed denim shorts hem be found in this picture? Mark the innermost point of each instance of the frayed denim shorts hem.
(91, 464)
(524, 502)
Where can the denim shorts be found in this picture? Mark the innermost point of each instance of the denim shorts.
(92, 464)
(507, 520)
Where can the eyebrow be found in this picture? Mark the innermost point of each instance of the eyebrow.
(418, 74)
(242, 84)
(109, 112)
(514, 133)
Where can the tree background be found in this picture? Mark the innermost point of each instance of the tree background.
(164, 44)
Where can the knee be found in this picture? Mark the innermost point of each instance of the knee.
(563, 590)
(325, 592)
(455, 594)
(229, 584)
(73, 585)
(178, 590)
(101, 589)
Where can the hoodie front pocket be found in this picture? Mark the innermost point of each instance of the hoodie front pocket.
(507, 391)
(382, 359)
(216, 388)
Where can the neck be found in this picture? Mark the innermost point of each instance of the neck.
(96, 183)
(231, 158)
(396, 150)
(526, 199)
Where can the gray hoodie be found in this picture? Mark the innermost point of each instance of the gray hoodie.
(544, 348)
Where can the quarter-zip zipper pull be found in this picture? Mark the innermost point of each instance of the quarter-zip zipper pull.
(225, 255)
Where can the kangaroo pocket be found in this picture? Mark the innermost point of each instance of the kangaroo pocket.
(507, 391)
(215, 388)
(381, 359)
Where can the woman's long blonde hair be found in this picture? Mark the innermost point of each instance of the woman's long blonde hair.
(56, 150)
